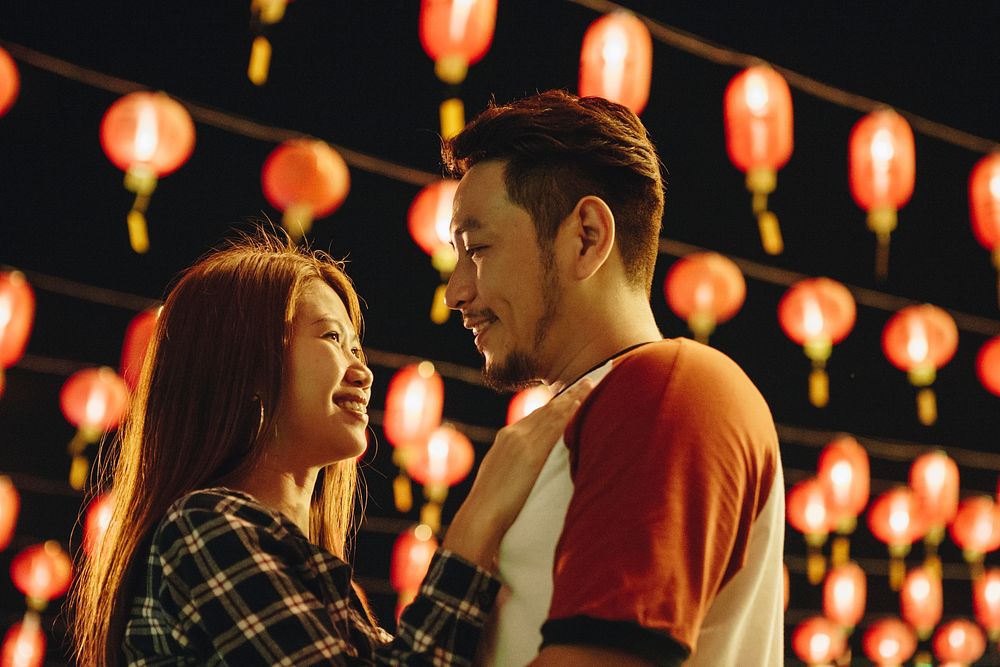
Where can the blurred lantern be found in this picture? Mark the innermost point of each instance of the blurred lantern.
(976, 530)
(17, 313)
(844, 593)
(817, 313)
(705, 289)
(429, 219)
(934, 480)
(818, 641)
(807, 513)
(443, 460)
(96, 524)
(94, 401)
(263, 14)
(10, 503)
(844, 475)
(920, 340)
(959, 641)
(148, 136)
(42, 572)
(526, 401)
(306, 179)
(986, 602)
(455, 34)
(758, 120)
(882, 174)
(894, 519)
(984, 206)
(24, 643)
(413, 406)
(889, 642)
(616, 60)
(137, 337)
(921, 600)
(10, 82)
(411, 556)
(988, 365)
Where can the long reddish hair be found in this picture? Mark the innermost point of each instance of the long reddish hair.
(208, 391)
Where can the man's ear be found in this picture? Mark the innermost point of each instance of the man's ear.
(593, 231)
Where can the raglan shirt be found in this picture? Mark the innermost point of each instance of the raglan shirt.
(661, 519)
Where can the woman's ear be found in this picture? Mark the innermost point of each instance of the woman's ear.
(593, 232)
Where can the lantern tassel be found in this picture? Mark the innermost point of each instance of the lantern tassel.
(932, 562)
(439, 309)
(840, 550)
(897, 566)
(882, 258)
(770, 233)
(430, 514)
(452, 112)
(260, 60)
(926, 406)
(819, 387)
(402, 493)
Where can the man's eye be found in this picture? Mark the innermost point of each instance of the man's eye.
(475, 250)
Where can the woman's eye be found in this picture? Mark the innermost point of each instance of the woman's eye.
(333, 335)
(356, 351)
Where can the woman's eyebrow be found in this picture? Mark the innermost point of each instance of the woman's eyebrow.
(330, 320)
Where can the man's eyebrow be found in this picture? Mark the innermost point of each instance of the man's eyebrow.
(467, 225)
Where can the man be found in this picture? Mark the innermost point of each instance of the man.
(654, 533)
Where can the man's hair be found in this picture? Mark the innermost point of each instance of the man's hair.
(558, 148)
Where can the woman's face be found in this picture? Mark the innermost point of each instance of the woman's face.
(326, 387)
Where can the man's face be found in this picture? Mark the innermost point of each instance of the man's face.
(505, 286)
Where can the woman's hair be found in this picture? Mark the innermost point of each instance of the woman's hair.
(206, 399)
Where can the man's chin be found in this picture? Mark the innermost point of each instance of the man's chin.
(513, 373)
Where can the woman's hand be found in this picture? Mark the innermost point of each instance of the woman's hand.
(507, 475)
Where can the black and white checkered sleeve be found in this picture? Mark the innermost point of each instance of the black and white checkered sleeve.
(443, 624)
(234, 595)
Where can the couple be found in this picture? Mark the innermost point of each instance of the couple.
(637, 519)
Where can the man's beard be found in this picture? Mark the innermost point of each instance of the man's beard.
(519, 369)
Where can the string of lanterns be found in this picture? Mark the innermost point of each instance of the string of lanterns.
(833, 499)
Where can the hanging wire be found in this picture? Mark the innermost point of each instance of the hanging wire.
(722, 55)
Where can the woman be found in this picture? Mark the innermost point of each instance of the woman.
(234, 486)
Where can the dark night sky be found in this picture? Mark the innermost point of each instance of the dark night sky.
(354, 74)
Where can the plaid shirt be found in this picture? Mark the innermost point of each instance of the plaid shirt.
(230, 582)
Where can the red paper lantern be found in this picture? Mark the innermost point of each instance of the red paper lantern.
(24, 644)
(10, 503)
(445, 459)
(456, 34)
(921, 600)
(894, 518)
(882, 169)
(704, 289)
(93, 400)
(976, 528)
(42, 572)
(10, 82)
(526, 401)
(429, 220)
(96, 524)
(616, 60)
(984, 205)
(934, 480)
(17, 313)
(889, 642)
(817, 313)
(818, 641)
(960, 641)
(758, 122)
(806, 511)
(844, 593)
(137, 337)
(413, 404)
(988, 365)
(843, 472)
(986, 602)
(148, 136)
(411, 557)
(306, 179)
(920, 340)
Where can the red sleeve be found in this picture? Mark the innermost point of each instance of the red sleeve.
(672, 457)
